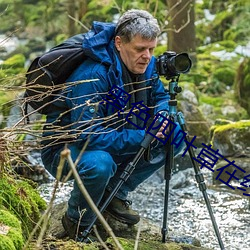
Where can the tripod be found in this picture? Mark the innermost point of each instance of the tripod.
(150, 136)
(169, 163)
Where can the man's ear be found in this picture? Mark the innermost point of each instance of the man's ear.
(118, 42)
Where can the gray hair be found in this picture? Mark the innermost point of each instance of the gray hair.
(137, 22)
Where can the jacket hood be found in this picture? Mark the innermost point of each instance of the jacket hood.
(98, 43)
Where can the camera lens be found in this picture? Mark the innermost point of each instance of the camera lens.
(182, 63)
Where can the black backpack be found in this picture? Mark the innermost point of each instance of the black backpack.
(47, 74)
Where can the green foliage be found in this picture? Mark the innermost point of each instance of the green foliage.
(13, 239)
(216, 67)
(224, 75)
(160, 49)
(214, 101)
(229, 23)
(219, 102)
(6, 243)
(22, 200)
(17, 61)
(12, 67)
(242, 84)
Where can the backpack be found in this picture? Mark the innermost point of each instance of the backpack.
(47, 73)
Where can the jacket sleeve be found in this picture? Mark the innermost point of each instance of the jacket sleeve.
(89, 121)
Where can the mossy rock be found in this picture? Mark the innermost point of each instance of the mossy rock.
(232, 139)
(242, 85)
(128, 244)
(221, 107)
(150, 235)
(11, 237)
(224, 75)
(21, 199)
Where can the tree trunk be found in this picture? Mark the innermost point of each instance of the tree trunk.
(83, 7)
(71, 6)
(181, 27)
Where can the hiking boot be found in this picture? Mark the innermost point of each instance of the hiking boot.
(75, 231)
(121, 211)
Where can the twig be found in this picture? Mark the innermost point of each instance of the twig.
(99, 238)
(66, 154)
(77, 21)
(137, 236)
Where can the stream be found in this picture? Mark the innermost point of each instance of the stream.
(187, 211)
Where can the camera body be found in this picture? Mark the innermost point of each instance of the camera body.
(171, 65)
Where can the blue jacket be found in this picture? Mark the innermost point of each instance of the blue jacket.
(88, 116)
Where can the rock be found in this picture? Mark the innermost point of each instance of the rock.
(196, 124)
(242, 162)
(189, 96)
(149, 238)
(206, 109)
(228, 110)
(182, 179)
(232, 139)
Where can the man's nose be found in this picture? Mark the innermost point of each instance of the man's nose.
(146, 54)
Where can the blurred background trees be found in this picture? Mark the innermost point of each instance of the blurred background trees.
(215, 34)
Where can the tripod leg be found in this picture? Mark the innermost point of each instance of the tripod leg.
(200, 179)
(168, 172)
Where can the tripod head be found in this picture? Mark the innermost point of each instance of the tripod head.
(174, 89)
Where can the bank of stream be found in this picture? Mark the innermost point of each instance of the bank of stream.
(187, 212)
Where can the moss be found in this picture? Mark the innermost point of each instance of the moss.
(224, 128)
(128, 244)
(225, 75)
(9, 219)
(21, 199)
(214, 101)
(13, 239)
(16, 237)
(16, 61)
(242, 84)
(220, 135)
(236, 125)
(6, 243)
(13, 71)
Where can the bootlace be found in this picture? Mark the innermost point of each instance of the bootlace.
(127, 203)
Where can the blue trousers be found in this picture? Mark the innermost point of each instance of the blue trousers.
(99, 171)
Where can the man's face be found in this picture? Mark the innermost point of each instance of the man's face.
(137, 53)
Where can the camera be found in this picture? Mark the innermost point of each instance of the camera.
(171, 65)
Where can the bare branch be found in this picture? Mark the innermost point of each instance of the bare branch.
(66, 154)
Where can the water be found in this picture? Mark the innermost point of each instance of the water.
(188, 215)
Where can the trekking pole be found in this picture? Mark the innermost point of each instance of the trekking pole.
(150, 135)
